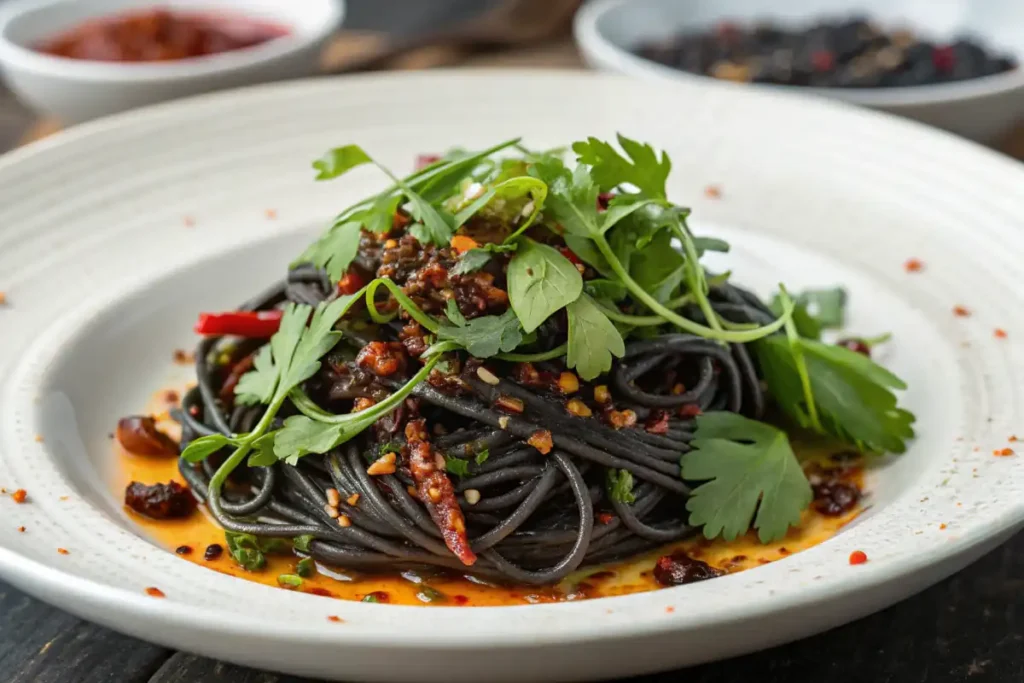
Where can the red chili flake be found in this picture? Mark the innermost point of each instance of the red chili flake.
(943, 58)
(713, 192)
(63, 498)
(189, 221)
(913, 265)
(858, 557)
(350, 283)
(322, 592)
(3, 298)
(424, 160)
(183, 357)
(1003, 452)
(961, 311)
(460, 599)
(1013, 437)
(942, 526)
(213, 551)
(193, 410)
(271, 213)
(171, 396)
(154, 592)
(183, 550)
(657, 423)
(823, 60)
(19, 496)
(541, 440)
(689, 410)
(336, 619)
(605, 517)
(1000, 333)
(569, 254)
(670, 609)
(63, 551)
(21, 529)
(784, 551)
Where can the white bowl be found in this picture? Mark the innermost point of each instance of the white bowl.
(77, 90)
(607, 32)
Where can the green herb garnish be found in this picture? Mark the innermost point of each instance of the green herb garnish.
(751, 474)
(305, 567)
(619, 484)
(289, 580)
(456, 466)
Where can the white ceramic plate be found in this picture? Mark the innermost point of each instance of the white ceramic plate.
(104, 278)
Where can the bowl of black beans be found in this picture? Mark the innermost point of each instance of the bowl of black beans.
(951, 64)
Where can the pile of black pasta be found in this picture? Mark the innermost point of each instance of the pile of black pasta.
(532, 517)
(854, 53)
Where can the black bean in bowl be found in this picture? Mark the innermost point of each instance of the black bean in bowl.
(853, 53)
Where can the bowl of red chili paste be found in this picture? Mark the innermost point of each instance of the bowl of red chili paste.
(81, 59)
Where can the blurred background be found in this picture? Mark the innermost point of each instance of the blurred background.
(952, 64)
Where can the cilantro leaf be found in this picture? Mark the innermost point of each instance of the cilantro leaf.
(337, 250)
(619, 484)
(293, 354)
(301, 543)
(482, 456)
(486, 336)
(605, 289)
(642, 169)
(540, 282)
(205, 446)
(593, 339)
(451, 310)
(816, 310)
(338, 161)
(853, 396)
(471, 261)
(264, 451)
(705, 244)
(515, 201)
(302, 436)
(748, 467)
(658, 267)
(456, 466)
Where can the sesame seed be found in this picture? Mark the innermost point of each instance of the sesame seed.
(503, 422)
(344, 521)
(353, 499)
(472, 496)
(435, 494)
(331, 511)
(333, 497)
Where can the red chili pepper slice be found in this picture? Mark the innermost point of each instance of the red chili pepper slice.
(350, 283)
(573, 258)
(258, 324)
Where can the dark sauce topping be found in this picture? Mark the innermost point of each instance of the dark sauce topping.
(213, 551)
(160, 501)
(679, 568)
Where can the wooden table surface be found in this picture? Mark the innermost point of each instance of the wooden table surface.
(967, 629)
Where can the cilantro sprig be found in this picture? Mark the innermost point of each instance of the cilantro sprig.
(752, 477)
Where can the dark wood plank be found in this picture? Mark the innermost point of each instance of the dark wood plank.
(40, 644)
(185, 668)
